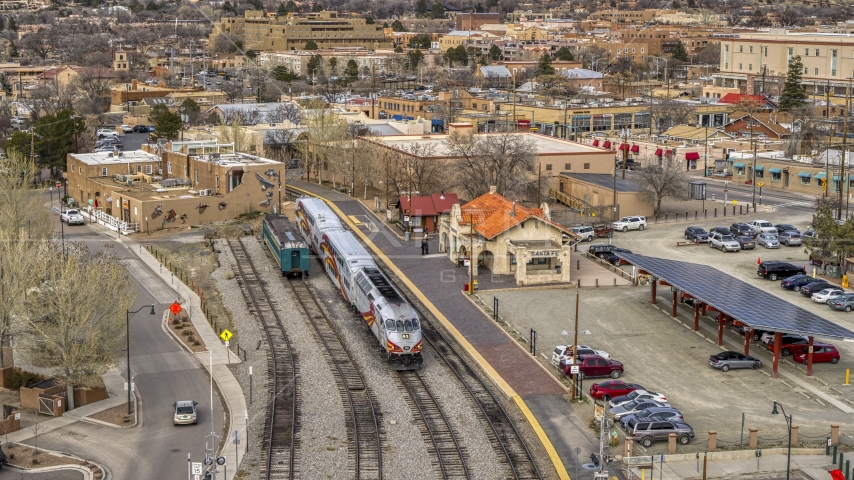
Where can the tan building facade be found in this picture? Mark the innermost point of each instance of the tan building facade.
(291, 33)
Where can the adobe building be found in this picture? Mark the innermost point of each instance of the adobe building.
(425, 212)
(174, 185)
(507, 238)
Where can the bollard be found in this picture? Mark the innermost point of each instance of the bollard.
(665, 217)
(713, 440)
(733, 209)
(716, 212)
(847, 469)
(597, 282)
(671, 443)
(740, 210)
(834, 433)
(578, 264)
(705, 213)
(754, 438)
(841, 459)
(847, 372)
(794, 435)
(695, 214)
(724, 209)
(615, 281)
(834, 450)
(686, 216)
(579, 283)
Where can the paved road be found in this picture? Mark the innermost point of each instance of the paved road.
(163, 373)
(789, 201)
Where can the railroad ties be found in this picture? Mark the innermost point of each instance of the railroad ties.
(281, 426)
(435, 428)
(363, 418)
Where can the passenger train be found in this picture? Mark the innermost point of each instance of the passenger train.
(286, 244)
(394, 323)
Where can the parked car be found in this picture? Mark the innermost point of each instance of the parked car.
(796, 282)
(107, 141)
(17, 121)
(630, 223)
(790, 344)
(651, 414)
(721, 230)
(71, 217)
(726, 243)
(785, 227)
(648, 433)
(821, 353)
(638, 395)
(126, 128)
(106, 132)
(696, 234)
(585, 232)
(109, 148)
(150, 128)
(562, 352)
(816, 286)
(185, 412)
(724, 361)
(775, 270)
(606, 252)
(634, 406)
(822, 259)
(746, 242)
(763, 226)
(768, 240)
(593, 366)
(826, 295)
(757, 334)
(810, 233)
(741, 229)
(612, 388)
(140, 129)
(790, 238)
(842, 302)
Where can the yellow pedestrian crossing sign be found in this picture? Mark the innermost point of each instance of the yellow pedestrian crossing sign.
(226, 335)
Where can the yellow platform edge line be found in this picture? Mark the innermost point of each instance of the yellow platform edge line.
(354, 220)
(486, 366)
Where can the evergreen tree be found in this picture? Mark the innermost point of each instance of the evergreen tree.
(12, 51)
(310, 45)
(794, 93)
(397, 26)
(291, 6)
(315, 66)
(251, 54)
(53, 137)
(421, 8)
(544, 67)
(168, 124)
(333, 65)
(414, 58)
(282, 10)
(369, 21)
(398, 49)
(282, 74)
(437, 10)
(564, 54)
(495, 52)
(420, 41)
(2, 23)
(679, 52)
(352, 70)
(11, 25)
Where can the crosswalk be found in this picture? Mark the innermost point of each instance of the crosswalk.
(791, 204)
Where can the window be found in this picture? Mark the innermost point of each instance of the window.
(197, 176)
(739, 171)
(139, 169)
(726, 56)
(816, 70)
(833, 63)
(567, 166)
(806, 70)
(806, 52)
(217, 182)
(587, 166)
(775, 176)
(103, 171)
(806, 180)
(750, 49)
(760, 173)
(148, 169)
(169, 168)
(739, 66)
(789, 57)
(642, 50)
(740, 48)
(749, 67)
(816, 52)
(766, 51)
(548, 167)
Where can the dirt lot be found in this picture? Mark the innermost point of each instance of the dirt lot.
(25, 456)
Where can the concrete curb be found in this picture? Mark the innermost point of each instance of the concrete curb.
(87, 473)
(736, 454)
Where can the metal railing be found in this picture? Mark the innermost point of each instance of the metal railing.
(619, 271)
(575, 204)
(111, 222)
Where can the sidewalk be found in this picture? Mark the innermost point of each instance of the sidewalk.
(813, 466)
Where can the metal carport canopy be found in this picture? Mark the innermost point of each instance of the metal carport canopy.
(738, 299)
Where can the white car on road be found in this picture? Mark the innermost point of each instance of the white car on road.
(826, 295)
(71, 217)
(630, 223)
(126, 128)
(639, 395)
(106, 132)
(763, 226)
(725, 243)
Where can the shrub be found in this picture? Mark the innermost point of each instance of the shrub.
(229, 275)
(21, 378)
(187, 333)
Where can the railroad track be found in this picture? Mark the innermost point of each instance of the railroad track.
(281, 426)
(435, 428)
(505, 438)
(362, 417)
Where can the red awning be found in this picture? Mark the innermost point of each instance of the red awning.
(607, 144)
(596, 143)
(692, 156)
(669, 152)
(658, 152)
(624, 146)
(635, 148)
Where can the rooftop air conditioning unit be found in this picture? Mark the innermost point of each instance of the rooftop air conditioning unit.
(206, 193)
(540, 104)
(130, 183)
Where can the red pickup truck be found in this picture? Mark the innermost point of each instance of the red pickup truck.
(593, 366)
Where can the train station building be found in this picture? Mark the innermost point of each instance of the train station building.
(506, 238)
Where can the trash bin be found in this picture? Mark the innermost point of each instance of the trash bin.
(713, 197)
(406, 235)
(833, 271)
(557, 269)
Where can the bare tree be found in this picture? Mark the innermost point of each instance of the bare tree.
(50, 97)
(666, 113)
(325, 129)
(505, 160)
(658, 182)
(93, 85)
(233, 132)
(282, 112)
(75, 320)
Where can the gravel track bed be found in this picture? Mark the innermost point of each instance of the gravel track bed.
(323, 438)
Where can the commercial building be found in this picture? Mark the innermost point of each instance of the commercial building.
(506, 238)
(261, 33)
(756, 63)
(297, 61)
(178, 184)
(473, 21)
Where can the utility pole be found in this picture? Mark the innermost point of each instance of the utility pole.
(829, 138)
(625, 154)
(842, 180)
(373, 113)
(575, 347)
(539, 180)
(515, 122)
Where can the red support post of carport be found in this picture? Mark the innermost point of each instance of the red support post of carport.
(778, 346)
(654, 285)
(809, 357)
(675, 302)
(696, 316)
(748, 334)
(721, 320)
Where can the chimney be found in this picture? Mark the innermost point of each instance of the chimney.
(133, 84)
(513, 212)
(492, 188)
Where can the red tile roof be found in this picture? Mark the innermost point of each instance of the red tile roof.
(492, 214)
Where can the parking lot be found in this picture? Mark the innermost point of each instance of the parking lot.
(667, 356)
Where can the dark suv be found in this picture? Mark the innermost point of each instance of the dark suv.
(649, 432)
(777, 270)
(741, 230)
(606, 252)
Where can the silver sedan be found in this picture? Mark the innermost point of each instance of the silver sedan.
(767, 240)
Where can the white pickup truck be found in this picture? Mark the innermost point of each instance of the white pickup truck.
(71, 217)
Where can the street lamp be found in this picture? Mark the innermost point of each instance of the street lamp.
(789, 424)
(129, 313)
